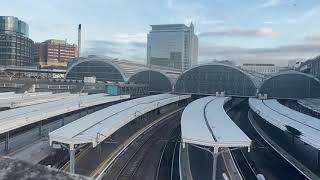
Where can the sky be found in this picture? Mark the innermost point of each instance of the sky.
(244, 31)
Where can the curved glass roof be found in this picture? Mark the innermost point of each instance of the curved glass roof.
(156, 80)
(102, 69)
(291, 85)
(212, 78)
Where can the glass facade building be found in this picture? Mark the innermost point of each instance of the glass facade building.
(15, 45)
(172, 45)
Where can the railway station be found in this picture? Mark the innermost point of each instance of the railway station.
(105, 121)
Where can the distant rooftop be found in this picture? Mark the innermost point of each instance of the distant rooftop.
(257, 64)
(169, 27)
(57, 41)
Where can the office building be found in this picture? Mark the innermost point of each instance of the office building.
(54, 52)
(15, 44)
(261, 68)
(172, 45)
(311, 66)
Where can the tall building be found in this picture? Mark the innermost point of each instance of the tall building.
(54, 52)
(172, 45)
(261, 68)
(15, 45)
(311, 66)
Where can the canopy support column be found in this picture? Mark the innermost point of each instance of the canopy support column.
(40, 128)
(6, 146)
(214, 165)
(72, 159)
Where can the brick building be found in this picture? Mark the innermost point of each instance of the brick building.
(54, 52)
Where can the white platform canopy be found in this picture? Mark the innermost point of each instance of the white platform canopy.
(96, 127)
(204, 122)
(12, 95)
(20, 100)
(6, 94)
(19, 117)
(312, 104)
(281, 116)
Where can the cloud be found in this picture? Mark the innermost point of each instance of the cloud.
(186, 11)
(117, 49)
(213, 22)
(102, 47)
(129, 37)
(103, 43)
(312, 13)
(279, 55)
(138, 44)
(270, 3)
(312, 39)
(240, 32)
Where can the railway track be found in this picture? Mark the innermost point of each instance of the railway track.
(245, 168)
(128, 164)
(262, 158)
(167, 164)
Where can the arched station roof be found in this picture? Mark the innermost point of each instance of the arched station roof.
(208, 79)
(101, 68)
(291, 85)
(156, 80)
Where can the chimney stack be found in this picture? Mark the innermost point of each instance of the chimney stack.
(79, 40)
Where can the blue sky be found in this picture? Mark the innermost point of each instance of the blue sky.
(270, 31)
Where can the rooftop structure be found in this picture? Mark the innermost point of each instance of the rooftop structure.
(108, 69)
(311, 66)
(261, 68)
